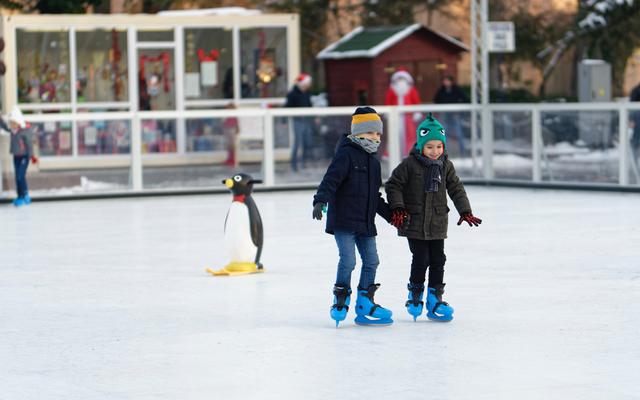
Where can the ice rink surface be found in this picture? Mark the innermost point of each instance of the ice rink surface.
(108, 299)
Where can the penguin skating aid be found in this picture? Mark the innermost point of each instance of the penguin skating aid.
(243, 234)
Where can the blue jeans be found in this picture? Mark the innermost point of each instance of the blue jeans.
(20, 165)
(347, 243)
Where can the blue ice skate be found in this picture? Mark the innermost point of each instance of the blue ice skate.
(438, 310)
(340, 307)
(368, 312)
(18, 202)
(414, 304)
(27, 200)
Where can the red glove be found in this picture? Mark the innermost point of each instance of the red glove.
(34, 159)
(470, 219)
(399, 218)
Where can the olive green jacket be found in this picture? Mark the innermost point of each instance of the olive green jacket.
(429, 213)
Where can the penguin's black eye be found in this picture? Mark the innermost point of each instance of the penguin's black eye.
(442, 131)
(237, 178)
(424, 132)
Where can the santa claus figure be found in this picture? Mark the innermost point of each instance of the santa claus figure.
(402, 92)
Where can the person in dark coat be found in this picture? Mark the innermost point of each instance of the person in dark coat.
(299, 96)
(450, 93)
(351, 189)
(635, 118)
(417, 194)
(22, 149)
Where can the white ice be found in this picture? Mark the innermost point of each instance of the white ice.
(108, 299)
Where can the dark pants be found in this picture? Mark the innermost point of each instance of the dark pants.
(452, 123)
(20, 165)
(427, 254)
(301, 141)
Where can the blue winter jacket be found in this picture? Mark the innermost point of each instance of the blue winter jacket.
(351, 188)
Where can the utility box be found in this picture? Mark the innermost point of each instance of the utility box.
(594, 85)
(594, 81)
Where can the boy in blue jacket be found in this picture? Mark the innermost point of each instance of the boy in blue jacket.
(351, 189)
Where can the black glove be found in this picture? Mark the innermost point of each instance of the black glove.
(317, 210)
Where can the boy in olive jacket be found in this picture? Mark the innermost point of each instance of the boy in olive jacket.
(417, 194)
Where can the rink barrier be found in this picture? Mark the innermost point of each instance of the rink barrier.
(482, 143)
(513, 184)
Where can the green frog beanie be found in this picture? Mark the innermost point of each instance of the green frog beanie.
(430, 129)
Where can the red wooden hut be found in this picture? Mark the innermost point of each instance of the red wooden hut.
(359, 65)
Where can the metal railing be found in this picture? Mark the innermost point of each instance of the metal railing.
(534, 131)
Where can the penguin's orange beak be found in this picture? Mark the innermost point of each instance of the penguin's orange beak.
(228, 183)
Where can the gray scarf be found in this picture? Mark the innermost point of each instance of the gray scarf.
(370, 146)
(433, 172)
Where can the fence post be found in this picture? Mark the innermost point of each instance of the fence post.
(474, 140)
(487, 142)
(268, 166)
(536, 144)
(393, 141)
(623, 145)
(136, 153)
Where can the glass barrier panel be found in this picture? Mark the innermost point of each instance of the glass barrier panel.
(102, 67)
(457, 126)
(580, 146)
(263, 59)
(104, 137)
(512, 146)
(43, 66)
(102, 164)
(159, 136)
(156, 79)
(215, 149)
(208, 60)
(53, 138)
(305, 146)
(634, 147)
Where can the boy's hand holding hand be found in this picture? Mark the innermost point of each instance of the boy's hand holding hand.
(399, 218)
(318, 208)
(470, 219)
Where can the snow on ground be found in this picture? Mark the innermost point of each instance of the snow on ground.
(108, 299)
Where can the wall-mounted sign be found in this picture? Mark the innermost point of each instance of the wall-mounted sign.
(501, 37)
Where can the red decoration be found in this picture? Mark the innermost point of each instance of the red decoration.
(212, 56)
(117, 56)
(164, 57)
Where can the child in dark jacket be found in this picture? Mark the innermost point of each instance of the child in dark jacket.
(351, 188)
(22, 150)
(417, 194)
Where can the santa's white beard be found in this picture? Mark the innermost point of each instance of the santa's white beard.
(400, 87)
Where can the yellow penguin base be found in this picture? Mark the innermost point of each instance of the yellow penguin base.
(236, 268)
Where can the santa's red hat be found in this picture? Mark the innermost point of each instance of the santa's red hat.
(402, 73)
(303, 79)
